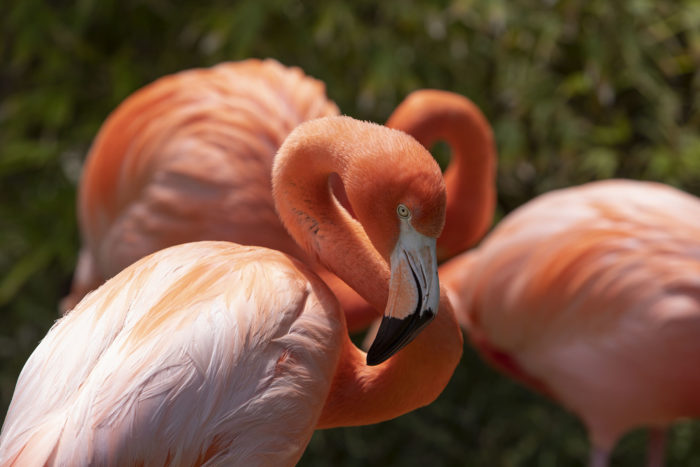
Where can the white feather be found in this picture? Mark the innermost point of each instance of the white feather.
(182, 352)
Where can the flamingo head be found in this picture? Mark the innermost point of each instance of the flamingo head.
(393, 188)
(406, 204)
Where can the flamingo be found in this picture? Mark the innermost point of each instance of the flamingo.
(189, 157)
(213, 353)
(589, 295)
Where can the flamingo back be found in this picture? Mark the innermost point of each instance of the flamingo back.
(185, 358)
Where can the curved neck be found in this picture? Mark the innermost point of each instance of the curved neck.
(431, 116)
(315, 219)
(417, 374)
(413, 378)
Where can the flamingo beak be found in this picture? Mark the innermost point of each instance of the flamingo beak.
(414, 294)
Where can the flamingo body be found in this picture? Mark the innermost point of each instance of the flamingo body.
(171, 354)
(188, 158)
(592, 295)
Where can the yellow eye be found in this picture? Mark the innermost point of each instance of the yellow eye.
(403, 211)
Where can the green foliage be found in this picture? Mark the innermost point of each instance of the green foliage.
(576, 90)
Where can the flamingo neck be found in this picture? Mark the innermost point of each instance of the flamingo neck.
(413, 378)
(431, 116)
(359, 315)
(315, 219)
(302, 189)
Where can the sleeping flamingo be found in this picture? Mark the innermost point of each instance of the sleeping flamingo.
(590, 295)
(220, 354)
(189, 157)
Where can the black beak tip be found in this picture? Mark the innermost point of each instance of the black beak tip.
(395, 333)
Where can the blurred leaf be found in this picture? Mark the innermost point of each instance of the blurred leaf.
(601, 162)
(29, 264)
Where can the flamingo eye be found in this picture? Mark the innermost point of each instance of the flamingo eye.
(403, 211)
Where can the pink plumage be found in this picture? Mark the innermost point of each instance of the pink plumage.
(592, 295)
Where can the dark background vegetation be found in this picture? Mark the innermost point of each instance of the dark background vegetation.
(576, 90)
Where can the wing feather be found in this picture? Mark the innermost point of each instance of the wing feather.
(246, 342)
